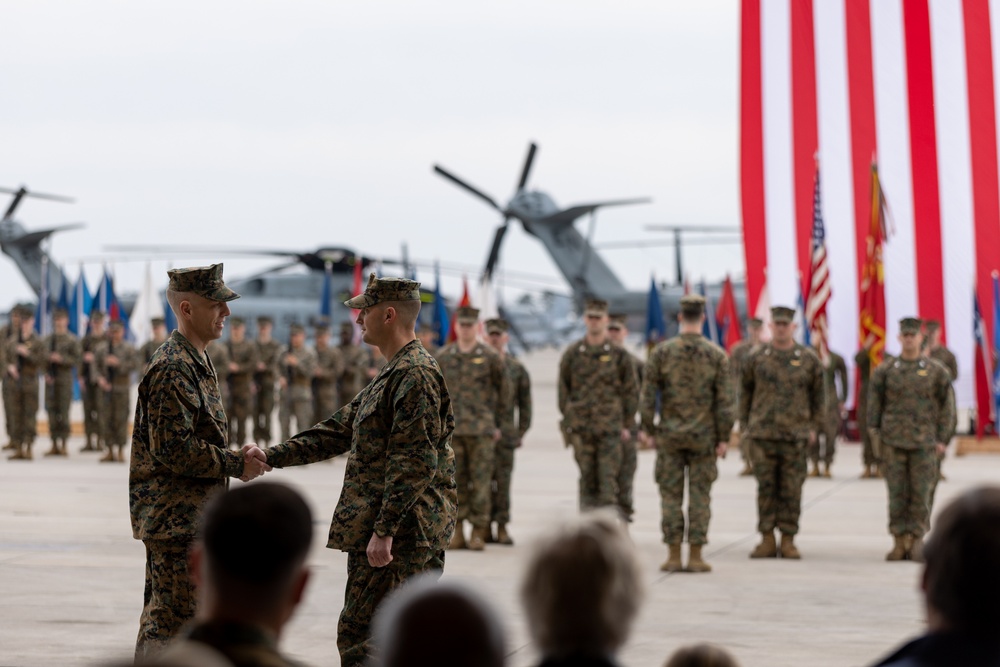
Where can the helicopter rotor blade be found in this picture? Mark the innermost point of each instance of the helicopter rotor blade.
(462, 184)
(494, 255)
(37, 195)
(532, 147)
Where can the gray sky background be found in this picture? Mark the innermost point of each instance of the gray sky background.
(295, 125)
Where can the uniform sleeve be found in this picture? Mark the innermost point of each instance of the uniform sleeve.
(840, 373)
(412, 452)
(565, 383)
(953, 366)
(817, 396)
(307, 363)
(74, 353)
(173, 403)
(325, 440)
(504, 391)
(947, 418)
(876, 398)
(523, 390)
(651, 381)
(746, 389)
(630, 390)
(336, 363)
(723, 400)
(249, 364)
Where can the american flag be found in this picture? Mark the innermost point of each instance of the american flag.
(819, 280)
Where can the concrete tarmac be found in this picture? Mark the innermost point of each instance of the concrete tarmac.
(71, 575)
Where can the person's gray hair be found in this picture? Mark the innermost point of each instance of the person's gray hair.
(583, 588)
(443, 623)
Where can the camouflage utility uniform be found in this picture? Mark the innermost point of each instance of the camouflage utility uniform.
(329, 367)
(146, 353)
(296, 391)
(218, 352)
(355, 374)
(515, 423)
(243, 645)
(630, 451)
(240, 381)
(180, 458)
(690, 377)
(399, 482)
(263, 380)
(782, 399)
(27, 356)
(835, 388)
(911, 406)
(477, 382)
(118, 381)
(598, 395)
(738, 356)
(863, 362)
(90, 390)
(59, 385)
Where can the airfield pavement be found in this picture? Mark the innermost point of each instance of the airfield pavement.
(71, 575)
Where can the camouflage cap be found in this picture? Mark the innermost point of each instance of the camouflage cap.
(204, 281)
(159, 321)
(27, 310)
(467, 315)
(296, 328)
(617, 320)
(237, 321)
(755, 323)
(783, 314)
(60, 312)
(96, 316)
(692, 304)
(264, 319)
(496, 325)
(596, 307)
(116, 325)
(910, 325)
(347, 327)
(932, 326)
(385, 289)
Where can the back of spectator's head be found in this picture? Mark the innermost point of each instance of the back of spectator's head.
(583, 588)
(254, 541)
(701, 655)
(408, 627)
(961, 577)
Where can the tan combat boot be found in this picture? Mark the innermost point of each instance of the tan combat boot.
(89, 446)
(695, 563)
(826, 470)
(866, 473)
(915, 548)
(109, 456)
(788, 548)
(478, 540)
(62, 448)
(54, 450)
(673, 562)
(503, 537)
(458, 539)
(898, 549)
(10, 446)
(814, 472)
(767, 548)
(18, 454)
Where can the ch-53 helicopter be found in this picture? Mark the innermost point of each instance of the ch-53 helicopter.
(585, 271)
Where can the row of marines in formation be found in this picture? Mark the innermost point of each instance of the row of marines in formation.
(312, 381)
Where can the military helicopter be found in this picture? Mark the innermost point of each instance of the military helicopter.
(585, 271)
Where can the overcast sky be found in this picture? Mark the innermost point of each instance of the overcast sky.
(294, 125)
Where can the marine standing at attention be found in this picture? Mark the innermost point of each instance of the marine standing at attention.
(783, 404)
(618, 334)
(689, 377)
(397, 508)
(738, 356)
(598, 395)
(264, 378)
(180, 455)
(116, 359)
(242, 364)
(911, 410)
(63, 351)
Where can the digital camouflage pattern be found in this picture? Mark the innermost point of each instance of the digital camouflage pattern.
(479, 387)
(946, 358)
(64, 355)
(27, 358)
(597, 395)
(355, 374)
(179, 445)
(738, 355)
(240, 406)
(782, 400)
(690, 378)
(782, 396)
(630, 452)
(118, 381)
(91, 394)
(146, 352)
(169, 599)
(835, 388)
(329, 367)
(295, 395)
(911, 406)
(243, 645)
(863, 364)
(263, 409)
(400, 476)
(516, 422)
(219, 355)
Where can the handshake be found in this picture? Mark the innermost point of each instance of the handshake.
(254, 462)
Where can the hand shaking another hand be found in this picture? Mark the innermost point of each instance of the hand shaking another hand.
(254, 462)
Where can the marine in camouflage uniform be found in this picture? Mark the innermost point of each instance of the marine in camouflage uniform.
(617, 333)
(783, 404)
(180, 455)
(835, 388)
(219, 354)
(515, 423)
(242, 364)
(870, 457)
(329, 367)
(90, 388)
(690, 379)
(63, 355)
(936, 350)
(264, 378)
(26, 359)
(597, 394)
(738, 356)
(296, 365)
(355, 357)
(399, 490)
(911, 408)
(7, 332)
(477, 383)
(150, 346)
(116, 359)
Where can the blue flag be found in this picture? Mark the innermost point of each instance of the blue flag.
(79, 306)
(107, 302)
(710, 329)
(656, 326)
(440, 322)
